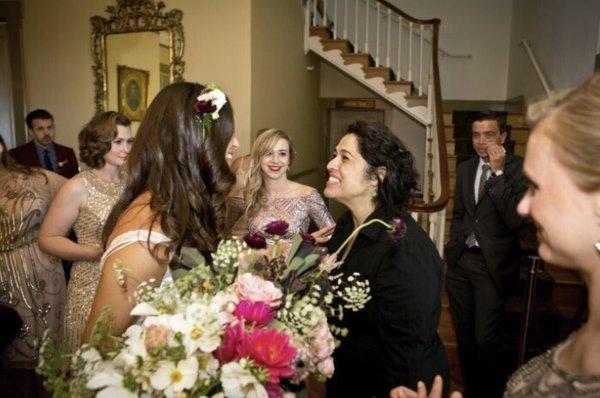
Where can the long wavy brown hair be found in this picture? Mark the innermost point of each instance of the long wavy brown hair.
(185, 173)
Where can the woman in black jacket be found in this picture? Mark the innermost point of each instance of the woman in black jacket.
(393, 340)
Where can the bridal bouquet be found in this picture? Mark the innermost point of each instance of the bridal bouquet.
(250, 323)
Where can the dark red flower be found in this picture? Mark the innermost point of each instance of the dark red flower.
(278, 227)
(255, 241)
(399, 229)
(227, 351)
(204, 107)
(308, 238)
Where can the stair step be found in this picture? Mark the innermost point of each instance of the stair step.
(381, 71)
(357, 58)
(519, 134)
(336, 44)
(449, 147)
(516, 120)
(321, 31)
(416, 100)
(448, 119)
(402, 86)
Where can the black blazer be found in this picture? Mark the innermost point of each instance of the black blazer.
(393, 340)
(26, 154)
(494, 218)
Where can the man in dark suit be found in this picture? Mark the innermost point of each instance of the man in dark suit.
(42, 151)
(482, 253)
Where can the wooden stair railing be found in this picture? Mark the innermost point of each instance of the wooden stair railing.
(436, 179)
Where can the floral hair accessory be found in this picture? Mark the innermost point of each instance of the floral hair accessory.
(210, 102)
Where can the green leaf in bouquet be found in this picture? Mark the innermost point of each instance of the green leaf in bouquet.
(294, 265)
(191, 257)
(309, 262)
(295, 245)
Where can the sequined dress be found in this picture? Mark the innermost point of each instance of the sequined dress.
(296, 211)
(542, 377)
(31, 282)
(85, 275)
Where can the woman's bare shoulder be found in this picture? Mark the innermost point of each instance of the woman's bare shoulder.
(137, 216)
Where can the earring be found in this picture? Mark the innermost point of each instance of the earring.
(598, 246)
(374, 194)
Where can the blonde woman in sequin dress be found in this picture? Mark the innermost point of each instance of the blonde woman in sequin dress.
(269, 195)
(84, 204)
(31, 282)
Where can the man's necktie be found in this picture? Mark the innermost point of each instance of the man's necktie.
(471, 241)
(484, 176)
(47, 161)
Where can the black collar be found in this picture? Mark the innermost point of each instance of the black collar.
(373, 231)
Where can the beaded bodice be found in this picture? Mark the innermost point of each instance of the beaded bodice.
(543, 377)
(297, 211)
(102, 196)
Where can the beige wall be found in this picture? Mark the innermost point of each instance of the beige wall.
(57, 59)
(284, 93)
(564, 38)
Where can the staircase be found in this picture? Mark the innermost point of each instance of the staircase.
(395, 56)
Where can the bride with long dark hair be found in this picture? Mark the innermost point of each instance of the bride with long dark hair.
(178, 178)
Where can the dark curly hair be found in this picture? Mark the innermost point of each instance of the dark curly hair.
(95, 139)
(381, 148)
(185, 172)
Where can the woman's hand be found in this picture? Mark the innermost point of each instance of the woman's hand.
(436, 391)
(95, 253)
(323, 235)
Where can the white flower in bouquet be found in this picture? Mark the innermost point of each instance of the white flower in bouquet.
(109, 382)
(239, 383)
(172, 378)
(205, 324)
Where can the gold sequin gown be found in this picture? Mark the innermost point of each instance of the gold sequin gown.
(31, 282)
(85, 275)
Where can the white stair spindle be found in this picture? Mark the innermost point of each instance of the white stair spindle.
(367, 27)
(399, 74)
(335, 24)
(314, 19)
(410, 37)
(324, 23)
(345, 19)
(421, 61)
(377, 36)
(356, 26)
(388, 61)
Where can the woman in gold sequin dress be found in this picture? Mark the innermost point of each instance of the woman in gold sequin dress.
(84, 204)
(268, 195)
(31, 282)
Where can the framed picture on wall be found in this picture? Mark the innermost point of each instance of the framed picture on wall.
(133, 92)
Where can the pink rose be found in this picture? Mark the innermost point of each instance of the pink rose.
(253, 288)
(326, 367)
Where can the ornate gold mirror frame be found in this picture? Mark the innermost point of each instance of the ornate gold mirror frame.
(134, 16)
